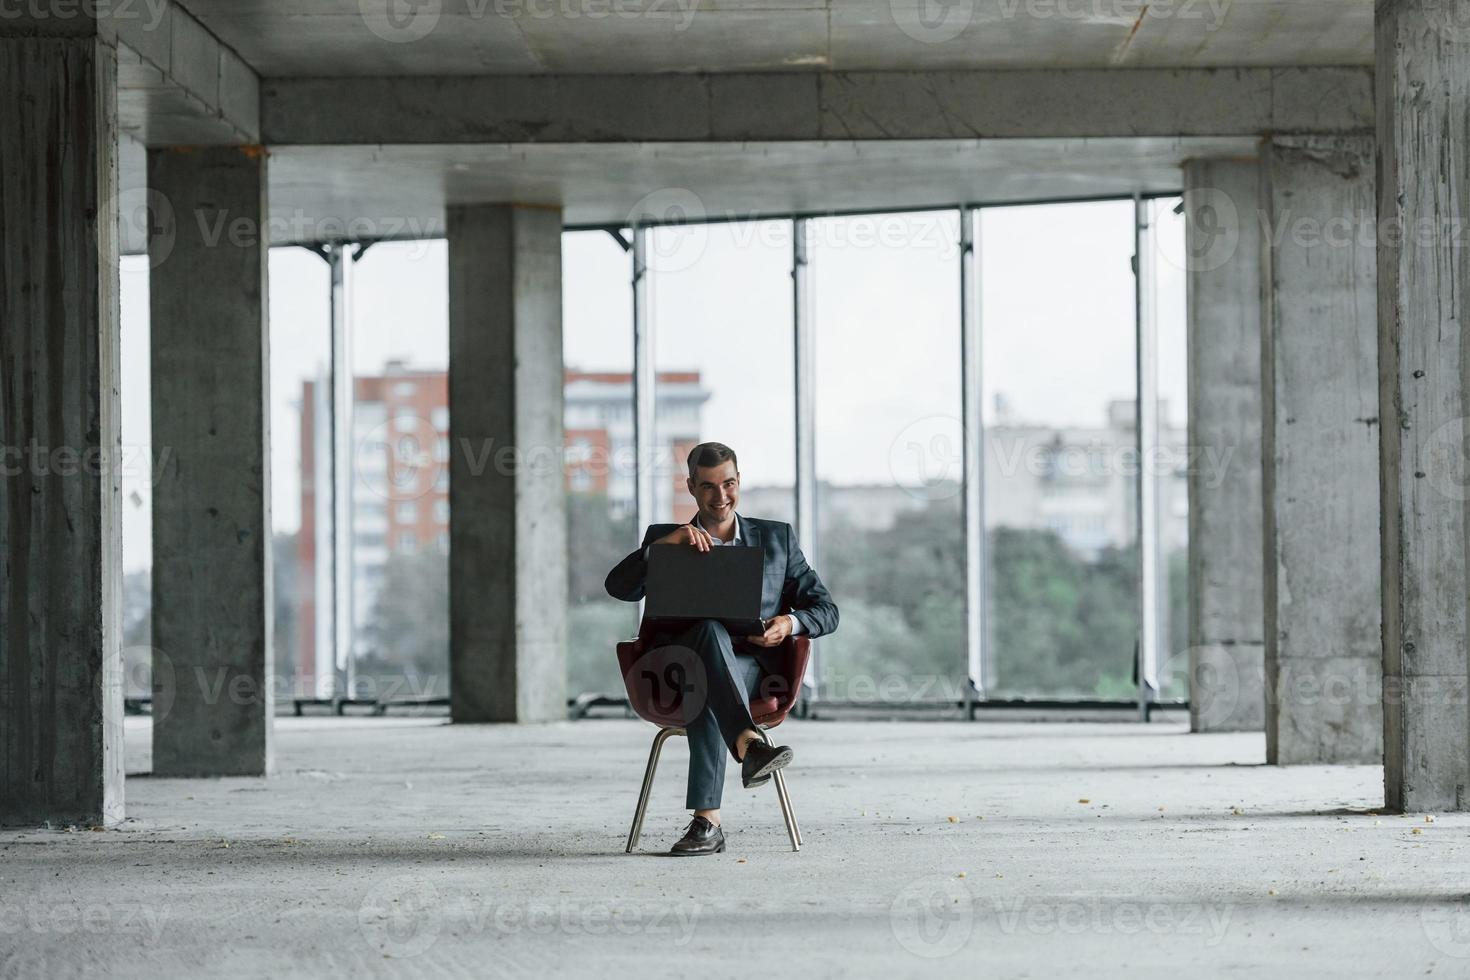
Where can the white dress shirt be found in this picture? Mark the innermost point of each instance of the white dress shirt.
(796, 627)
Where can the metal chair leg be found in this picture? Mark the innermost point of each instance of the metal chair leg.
(792, 830)
(663, 736)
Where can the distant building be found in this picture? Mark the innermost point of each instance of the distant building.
(400, 476)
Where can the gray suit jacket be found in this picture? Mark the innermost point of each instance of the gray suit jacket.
(789, 584)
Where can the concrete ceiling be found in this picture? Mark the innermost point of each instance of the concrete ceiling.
(324, 193)
(317, 38)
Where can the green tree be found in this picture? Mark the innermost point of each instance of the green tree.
(406, 635)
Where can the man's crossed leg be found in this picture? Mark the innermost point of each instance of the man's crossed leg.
(717, 719)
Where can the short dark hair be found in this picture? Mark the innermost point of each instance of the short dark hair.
(711, 454)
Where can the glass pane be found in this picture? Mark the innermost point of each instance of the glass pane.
(400, 485)
(136, 467)
(724, 356)
(300, 357)
(1171, 471)
(1058, 365)
(597, 348)
(891, 543)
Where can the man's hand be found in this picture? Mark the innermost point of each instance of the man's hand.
(688, 534)
(777, 630)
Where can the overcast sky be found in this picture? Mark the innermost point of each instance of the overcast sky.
(1056, 312)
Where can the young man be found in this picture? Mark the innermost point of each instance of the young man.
(728, 669)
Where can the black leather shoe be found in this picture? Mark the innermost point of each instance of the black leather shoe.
(761, 760)
(702, 837)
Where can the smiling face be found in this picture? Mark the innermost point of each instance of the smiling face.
(716, 489)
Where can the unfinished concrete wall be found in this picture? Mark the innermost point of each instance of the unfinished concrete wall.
(1226, 591)
(1423, 204)
(60, 523)
(211, 505)
(507, 496)
(1320, 452)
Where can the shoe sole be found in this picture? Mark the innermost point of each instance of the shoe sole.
(763, 774)
(697, 854)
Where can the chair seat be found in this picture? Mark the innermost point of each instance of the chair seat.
(763, 708)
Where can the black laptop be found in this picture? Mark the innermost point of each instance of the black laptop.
(724, 583)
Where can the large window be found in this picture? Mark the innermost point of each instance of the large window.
(890, 539)
(1059, 373)
(399, 339)
(300, 359)
(1170, 470)
(723, 354)
(136, 473)
(597, 347)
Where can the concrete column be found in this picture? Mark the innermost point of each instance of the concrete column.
(60, 522)
(1226, 620)
(507, 498)
(1423, 89)
(1320, 452)
(211, 505)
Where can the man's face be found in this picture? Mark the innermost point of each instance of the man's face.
(716, 490)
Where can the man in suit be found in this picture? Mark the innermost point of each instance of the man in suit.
(726, 671)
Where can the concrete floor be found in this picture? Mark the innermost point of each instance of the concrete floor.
(405, 846)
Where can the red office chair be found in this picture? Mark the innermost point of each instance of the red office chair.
(656, 696)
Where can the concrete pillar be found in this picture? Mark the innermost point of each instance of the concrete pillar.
(60, 522)
(211, 505)
(507, 499)
(1320, 452)
(1226, 621)
(1423, 90)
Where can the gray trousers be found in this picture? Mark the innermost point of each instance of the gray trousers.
(722, 677)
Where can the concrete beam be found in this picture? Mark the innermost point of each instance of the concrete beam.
(60, 520)
(211, 504)
(791, 106)
(507, 496)
(1320, 452)
(178, 83)
(1226, 589)
(1423, 366)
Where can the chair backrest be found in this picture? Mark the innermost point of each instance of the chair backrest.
(655, 679)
